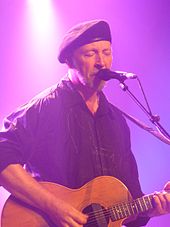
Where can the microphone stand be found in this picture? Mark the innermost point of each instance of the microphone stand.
(106, 74)
(165, 137)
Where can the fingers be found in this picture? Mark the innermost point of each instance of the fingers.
(70, 217)
(161, 202)
(63, 214)
(71, 223)
(167, 197)
(68, 222)
(80, 217)
(74, 221)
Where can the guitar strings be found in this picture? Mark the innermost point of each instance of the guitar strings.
(100, 213)
(119, 205)
(122, 213)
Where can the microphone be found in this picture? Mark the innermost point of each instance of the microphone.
(107, 74)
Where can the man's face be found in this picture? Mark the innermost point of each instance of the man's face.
(89, 59)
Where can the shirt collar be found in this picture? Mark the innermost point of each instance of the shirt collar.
(71, 98)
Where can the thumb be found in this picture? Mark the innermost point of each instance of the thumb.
(167, 186)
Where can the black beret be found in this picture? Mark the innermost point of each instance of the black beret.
(81, 34)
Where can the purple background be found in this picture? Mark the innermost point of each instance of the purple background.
(30, 33)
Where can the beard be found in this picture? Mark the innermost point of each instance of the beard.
(92, 82)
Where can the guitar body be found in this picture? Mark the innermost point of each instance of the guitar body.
(104, 190)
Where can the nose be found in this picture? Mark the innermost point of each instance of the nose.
(99, 61)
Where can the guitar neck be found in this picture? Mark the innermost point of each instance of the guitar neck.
(124, 210)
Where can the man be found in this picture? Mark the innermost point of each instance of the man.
(71, 134)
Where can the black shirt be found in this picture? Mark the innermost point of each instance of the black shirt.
(60, 140)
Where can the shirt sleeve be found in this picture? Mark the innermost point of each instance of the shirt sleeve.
(17, 136)
(26, 128)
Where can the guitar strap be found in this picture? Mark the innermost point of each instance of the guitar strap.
(142, 125)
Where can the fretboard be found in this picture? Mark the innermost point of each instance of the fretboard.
(124, 210)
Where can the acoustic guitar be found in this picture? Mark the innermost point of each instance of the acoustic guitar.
(105, 199)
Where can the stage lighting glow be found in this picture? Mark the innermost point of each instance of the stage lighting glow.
(42, 32)
(41, 16)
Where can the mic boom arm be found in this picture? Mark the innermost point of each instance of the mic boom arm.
(153, 118)
(162, 134)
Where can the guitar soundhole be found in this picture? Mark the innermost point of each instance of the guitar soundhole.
(98, 216)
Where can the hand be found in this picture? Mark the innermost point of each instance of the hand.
(161, 201)
(167, 186)
(64, 215)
